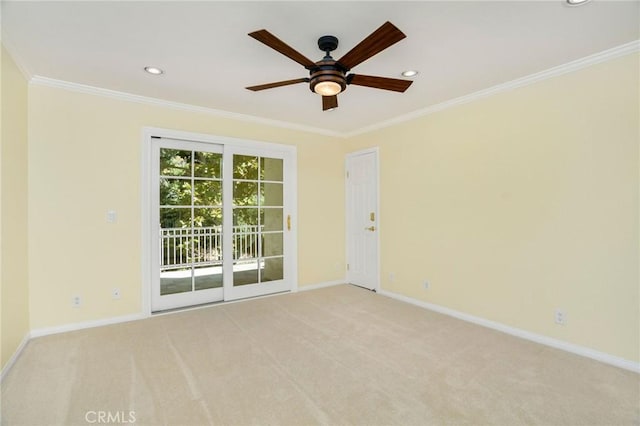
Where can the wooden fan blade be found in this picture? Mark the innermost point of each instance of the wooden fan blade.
(277, 84)
(329, 102)
(265, 37)
(385, 36)
(385, 83)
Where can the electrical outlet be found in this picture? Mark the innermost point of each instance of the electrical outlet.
(560, 317)
(76, 301)
(112, 216)
(115, 293)
(425, 284)
(392, 277)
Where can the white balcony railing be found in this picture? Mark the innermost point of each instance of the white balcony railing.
(182, 247)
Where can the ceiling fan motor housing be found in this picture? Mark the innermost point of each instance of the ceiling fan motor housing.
(327, 70)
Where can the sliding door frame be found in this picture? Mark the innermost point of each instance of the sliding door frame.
(149, 133)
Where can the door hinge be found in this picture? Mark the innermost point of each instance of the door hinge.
(347, 174)
(347, 266)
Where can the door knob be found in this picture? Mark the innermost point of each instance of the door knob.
(370, 228)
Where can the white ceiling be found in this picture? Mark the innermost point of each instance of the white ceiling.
(458, 47)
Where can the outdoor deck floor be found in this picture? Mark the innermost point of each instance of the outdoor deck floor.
(213, 279)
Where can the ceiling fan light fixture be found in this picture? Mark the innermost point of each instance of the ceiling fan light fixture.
(327, 88)
(327, 81)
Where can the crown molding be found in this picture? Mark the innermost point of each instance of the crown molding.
(587, 61)
(6, 43)
(616, 52)
(113, 94)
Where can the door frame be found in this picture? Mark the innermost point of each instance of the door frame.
(146, 193)
(348, 226)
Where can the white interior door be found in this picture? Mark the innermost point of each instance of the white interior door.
(362, 218)
(222, 221)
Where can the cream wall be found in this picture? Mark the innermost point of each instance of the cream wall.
(521, 203)
(84, 158)
(14, 311)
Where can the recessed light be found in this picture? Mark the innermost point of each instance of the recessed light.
(576, 2)
(409, 73)
(153, 70)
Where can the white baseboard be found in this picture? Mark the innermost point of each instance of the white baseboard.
(321, 285)
(134, 317)
(82, 325)
(14, 357)
(523, 334)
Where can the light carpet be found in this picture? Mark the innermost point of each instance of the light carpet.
(334, 356)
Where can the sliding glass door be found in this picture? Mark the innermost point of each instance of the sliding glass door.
(221, 223)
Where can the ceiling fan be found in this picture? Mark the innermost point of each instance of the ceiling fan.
(329, 77)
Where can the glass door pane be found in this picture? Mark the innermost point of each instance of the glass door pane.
(190, 236)
(190, 220)
(258, 219)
